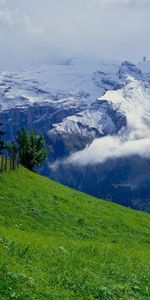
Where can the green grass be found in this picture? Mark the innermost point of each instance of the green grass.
(57, 243)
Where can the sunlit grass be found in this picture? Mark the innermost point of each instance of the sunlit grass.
(57, 243)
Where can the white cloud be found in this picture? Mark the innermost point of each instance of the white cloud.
(110, 147)
(14, 18)
(104, 28)
(124, 2)
(2, 2)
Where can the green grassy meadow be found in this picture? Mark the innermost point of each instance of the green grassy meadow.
(57, 243)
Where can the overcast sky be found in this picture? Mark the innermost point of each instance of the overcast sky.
(41, 31)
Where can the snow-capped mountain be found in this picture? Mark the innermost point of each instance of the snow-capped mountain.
(79, 101)
(66, 97)
(78, 85)
(52, 83)
(123, 109)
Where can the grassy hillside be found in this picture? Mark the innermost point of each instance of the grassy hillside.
(57, 243)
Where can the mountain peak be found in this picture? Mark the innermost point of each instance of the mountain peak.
(128, 68)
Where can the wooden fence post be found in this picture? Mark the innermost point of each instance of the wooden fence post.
(5, 167)
(11, 163)
(17, 161)
(2, 164)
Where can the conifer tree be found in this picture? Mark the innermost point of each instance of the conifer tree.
(30, 148)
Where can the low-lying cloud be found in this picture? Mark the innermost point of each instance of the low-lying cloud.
(110, 147)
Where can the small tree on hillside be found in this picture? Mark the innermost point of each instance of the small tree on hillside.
(30, 148)
(2, 146)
